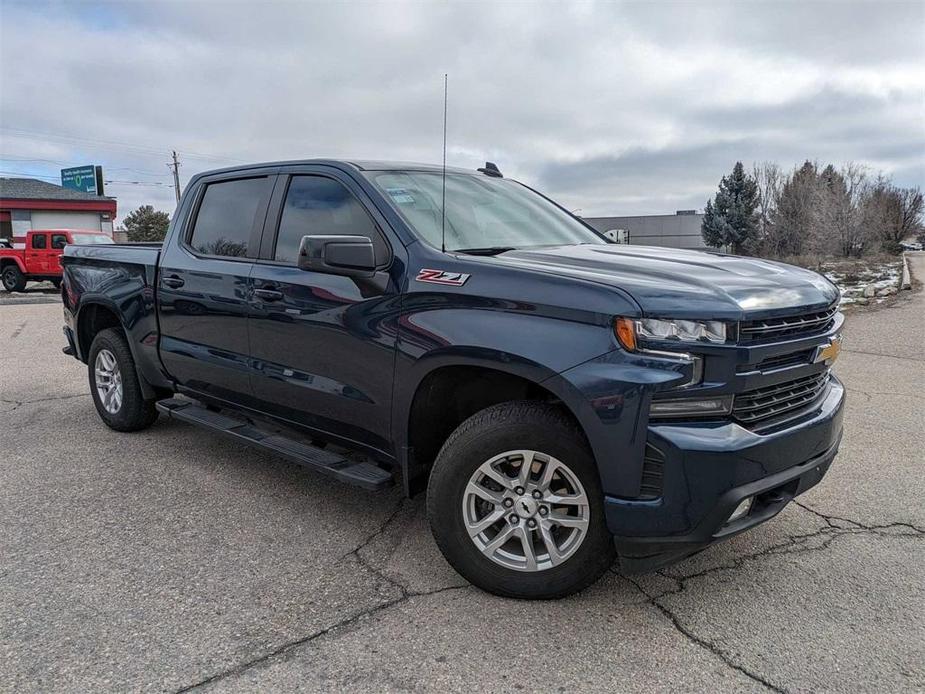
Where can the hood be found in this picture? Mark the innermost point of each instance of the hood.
(678, 283)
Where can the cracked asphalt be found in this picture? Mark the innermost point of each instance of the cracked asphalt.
(172, 560)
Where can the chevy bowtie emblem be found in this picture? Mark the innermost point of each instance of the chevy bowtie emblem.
(454, 279)
(828, 352)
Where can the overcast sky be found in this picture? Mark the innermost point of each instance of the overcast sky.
(608, 108)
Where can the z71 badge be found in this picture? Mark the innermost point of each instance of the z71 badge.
(454, 279)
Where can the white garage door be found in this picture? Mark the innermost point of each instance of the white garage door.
(51, 219)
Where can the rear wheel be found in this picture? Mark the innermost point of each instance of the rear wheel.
(114, 384)
(12, 279)
(515, 503)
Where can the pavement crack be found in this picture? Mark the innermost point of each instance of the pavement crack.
(289, 648)
(880, 354)
(56, 397)
(15, 403)
(832, 521)
(835, 527)
(703, 643)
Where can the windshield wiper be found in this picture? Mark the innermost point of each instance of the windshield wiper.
(489, 250)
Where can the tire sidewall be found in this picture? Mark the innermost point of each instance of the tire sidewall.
(16, 281)
(474, 445)
(135, 412)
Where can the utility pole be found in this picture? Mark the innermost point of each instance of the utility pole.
(176, 175)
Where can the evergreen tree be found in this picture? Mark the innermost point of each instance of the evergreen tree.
(146, 224)
(731, 218)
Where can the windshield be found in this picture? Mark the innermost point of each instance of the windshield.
(481, 212)
(91, 238)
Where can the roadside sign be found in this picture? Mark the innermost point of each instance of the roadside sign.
(87, 179)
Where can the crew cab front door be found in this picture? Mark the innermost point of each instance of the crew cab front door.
(38, 254)
(323, 345)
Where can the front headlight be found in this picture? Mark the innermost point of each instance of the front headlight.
(630, 330)
(683, 330)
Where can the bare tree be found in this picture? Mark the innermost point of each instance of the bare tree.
(844, 214)
(769, 178)
(898, 213)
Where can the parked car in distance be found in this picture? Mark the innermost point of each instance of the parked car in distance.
(39, 258)
(563, 400)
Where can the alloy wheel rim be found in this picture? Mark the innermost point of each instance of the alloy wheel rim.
(108, 381)
(526, 510)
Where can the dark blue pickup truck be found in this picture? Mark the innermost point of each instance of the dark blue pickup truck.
(563, 400)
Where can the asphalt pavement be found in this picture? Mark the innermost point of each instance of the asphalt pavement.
(173, 560)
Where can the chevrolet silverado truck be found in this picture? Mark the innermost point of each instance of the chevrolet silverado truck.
(562, 400)
(39, 259)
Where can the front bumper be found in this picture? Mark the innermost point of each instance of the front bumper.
(709, 469)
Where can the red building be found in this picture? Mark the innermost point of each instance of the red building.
(26, 203)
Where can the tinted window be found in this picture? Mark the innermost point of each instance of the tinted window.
(318, 206)
(39, 240)
(226, 216)
(481, 212)
(58, 240)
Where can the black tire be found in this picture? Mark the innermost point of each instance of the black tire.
(497, 429)
(135, 412)
(12, 278)
(56, 284)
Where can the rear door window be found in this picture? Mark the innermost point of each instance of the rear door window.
(58, 240)
(227, 215)
(39, 240)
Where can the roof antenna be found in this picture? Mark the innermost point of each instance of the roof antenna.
(443, 202)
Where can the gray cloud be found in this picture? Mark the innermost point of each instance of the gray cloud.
(612, 108)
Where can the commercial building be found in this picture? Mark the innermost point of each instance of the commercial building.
(679, 230)
(27, 203)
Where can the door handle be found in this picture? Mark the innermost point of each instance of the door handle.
(173, 282)
(268, 294)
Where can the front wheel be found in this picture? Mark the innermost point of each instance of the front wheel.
(114, 384)
(12, 278)
(515, 503)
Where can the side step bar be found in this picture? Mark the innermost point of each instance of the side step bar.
(365, 475)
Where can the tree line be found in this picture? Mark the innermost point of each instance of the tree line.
(844, 211)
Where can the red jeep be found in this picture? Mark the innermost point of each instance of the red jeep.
(39, 259)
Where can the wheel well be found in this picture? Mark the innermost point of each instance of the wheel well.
(94, 318)
(450, 395)
(6, 262)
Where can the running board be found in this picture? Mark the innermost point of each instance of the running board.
(360, 474)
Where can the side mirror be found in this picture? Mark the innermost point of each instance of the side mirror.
(351, 256)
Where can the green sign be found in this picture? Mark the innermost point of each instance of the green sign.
(87, 179)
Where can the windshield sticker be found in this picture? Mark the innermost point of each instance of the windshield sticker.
(400, 196)
(454, 279)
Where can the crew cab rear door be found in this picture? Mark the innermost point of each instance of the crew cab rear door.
(203, 285)
(323, 345)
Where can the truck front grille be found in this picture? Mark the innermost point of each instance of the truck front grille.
(757, 406)
(781, 361)
(788, 326)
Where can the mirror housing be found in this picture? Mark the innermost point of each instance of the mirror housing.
(351, 256)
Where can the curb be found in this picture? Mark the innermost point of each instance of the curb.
(906, 281)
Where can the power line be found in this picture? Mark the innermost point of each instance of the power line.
(107, 181)
(69, 163)
(24, 133)
(28, 175)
